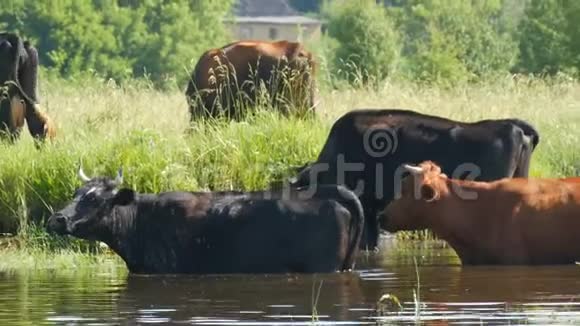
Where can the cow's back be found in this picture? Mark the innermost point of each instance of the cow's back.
(519, 221)
(239, 66)
(276, 235)
(393, 137)
(550, 223)
(235, 232)
(246, 57)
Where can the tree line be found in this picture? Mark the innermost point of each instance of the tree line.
(426, 40)
(451, 41)
(119, 39)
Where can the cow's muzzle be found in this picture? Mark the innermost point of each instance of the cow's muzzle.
(57, 223)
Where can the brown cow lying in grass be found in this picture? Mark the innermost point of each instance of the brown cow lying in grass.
(509, 221)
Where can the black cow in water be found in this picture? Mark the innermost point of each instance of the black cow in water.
(217, 232)
(378, 142)
(18, 97)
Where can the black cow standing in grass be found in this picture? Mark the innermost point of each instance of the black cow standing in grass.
(18, 90)
(217, 232)
(366, 148)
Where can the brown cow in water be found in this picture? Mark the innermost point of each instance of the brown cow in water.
(509, 221)
(571, 179)
(227, 77)
(18, 83)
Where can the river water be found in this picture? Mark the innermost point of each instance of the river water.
(442, 293)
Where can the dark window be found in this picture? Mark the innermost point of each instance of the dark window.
(273, 33)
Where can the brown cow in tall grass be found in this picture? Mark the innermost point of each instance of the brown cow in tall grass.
(18, 84)
(230, 81)
(509, 221)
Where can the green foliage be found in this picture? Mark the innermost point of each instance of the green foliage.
(573, 32)
(120, 39)
(368, 42)
(549, 36)
(442, 41)
(448, 40)
(431, 40)
(512, 13)
(324, 50)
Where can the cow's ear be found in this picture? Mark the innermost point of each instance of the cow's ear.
(124, 197)
(428, 193)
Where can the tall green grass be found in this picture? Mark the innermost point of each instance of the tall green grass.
(34, 249)
(147, 132)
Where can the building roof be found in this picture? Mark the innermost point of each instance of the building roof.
(263, 8)
(269, 12)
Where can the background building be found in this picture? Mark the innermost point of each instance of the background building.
(271, 20)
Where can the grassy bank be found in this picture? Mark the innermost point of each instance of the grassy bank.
(34, 249)
(147, 133)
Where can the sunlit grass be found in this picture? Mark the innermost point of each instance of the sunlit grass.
(34, 249)
(63, 261)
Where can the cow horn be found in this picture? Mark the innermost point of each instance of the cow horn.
(413, 169)
(119, 178)
(82, 175)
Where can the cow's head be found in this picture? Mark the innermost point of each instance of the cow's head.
(11, 49)
(89, 215)
(10, 105)
(7, 53)
(419, 192)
